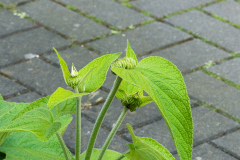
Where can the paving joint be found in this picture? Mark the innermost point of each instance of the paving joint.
(224, 150)
(199, 37)
(215, 109)
(22, 84)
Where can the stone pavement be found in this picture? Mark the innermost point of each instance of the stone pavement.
(201, 37)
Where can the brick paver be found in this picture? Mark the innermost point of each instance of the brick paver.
(12, 23)
(208, 27)
(201, 37)
(115, 14)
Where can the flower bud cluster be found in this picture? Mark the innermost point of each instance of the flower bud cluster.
(74, 79)
(125, 62)
(132, 101)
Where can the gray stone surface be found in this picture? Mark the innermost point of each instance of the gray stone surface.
(142, 39)
(94, 98)
(11, 23)
(114, 13)
(230, 142)
(142, 114)
(37, 74)
(191, 54)
(210, 28)
(8, 2)
(63, 20)
(228, 69)
(229, 10)
(118, 144)
(35, 41)
(79, 56)
(206, 124)
(26, 98)
(207, 152)
(8, 86)
(214, 92)
(164, 7)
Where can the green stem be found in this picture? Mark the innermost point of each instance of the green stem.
(122, 156)
(64, 147)
(112, 133)
(78, 127)
(100, 117)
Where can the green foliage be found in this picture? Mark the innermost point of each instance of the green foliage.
(109, 155)
(32, 117)
(164, 83)
(1, 98)
(64, 67)
(130, 53)
(146, 149)
(98, 75)
(25, 145)
(86, 80)
(61, 95)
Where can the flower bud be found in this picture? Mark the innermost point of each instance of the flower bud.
(74, 78)
(132, 101)
(125, 62)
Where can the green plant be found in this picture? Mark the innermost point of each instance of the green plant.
(33, 130)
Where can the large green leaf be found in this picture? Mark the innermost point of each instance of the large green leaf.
(63, 65)
(97, 76)
(34, 117)
(1, 98)
(26, 146)
(164, 83)
(61, 95)
(109, 155)
(144, 148)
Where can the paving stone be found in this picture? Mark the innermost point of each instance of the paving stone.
(79, 56)
(214, 92)
(8, 2)
(210, 28)
(229, 70)
(26, 98)
(109, 11)
(37, 74)
(142, 39)
(230, 142)
(142, 114)
(118, 144)
(207, 152)
(206, 124)
(35, 41)
(64, 20)
(164, 7)
(94, 98)
(9, 87)
(11, 23)
(228, 10)
(191, 54)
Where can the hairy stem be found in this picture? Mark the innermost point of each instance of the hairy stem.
(100, 117)
(64, 147)
(112, 133)
(78, 127)
(122, 156)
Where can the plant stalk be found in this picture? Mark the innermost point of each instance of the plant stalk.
(100, 117)
(122, 156)
(64, 147)
(78, 127)
(112, 133)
